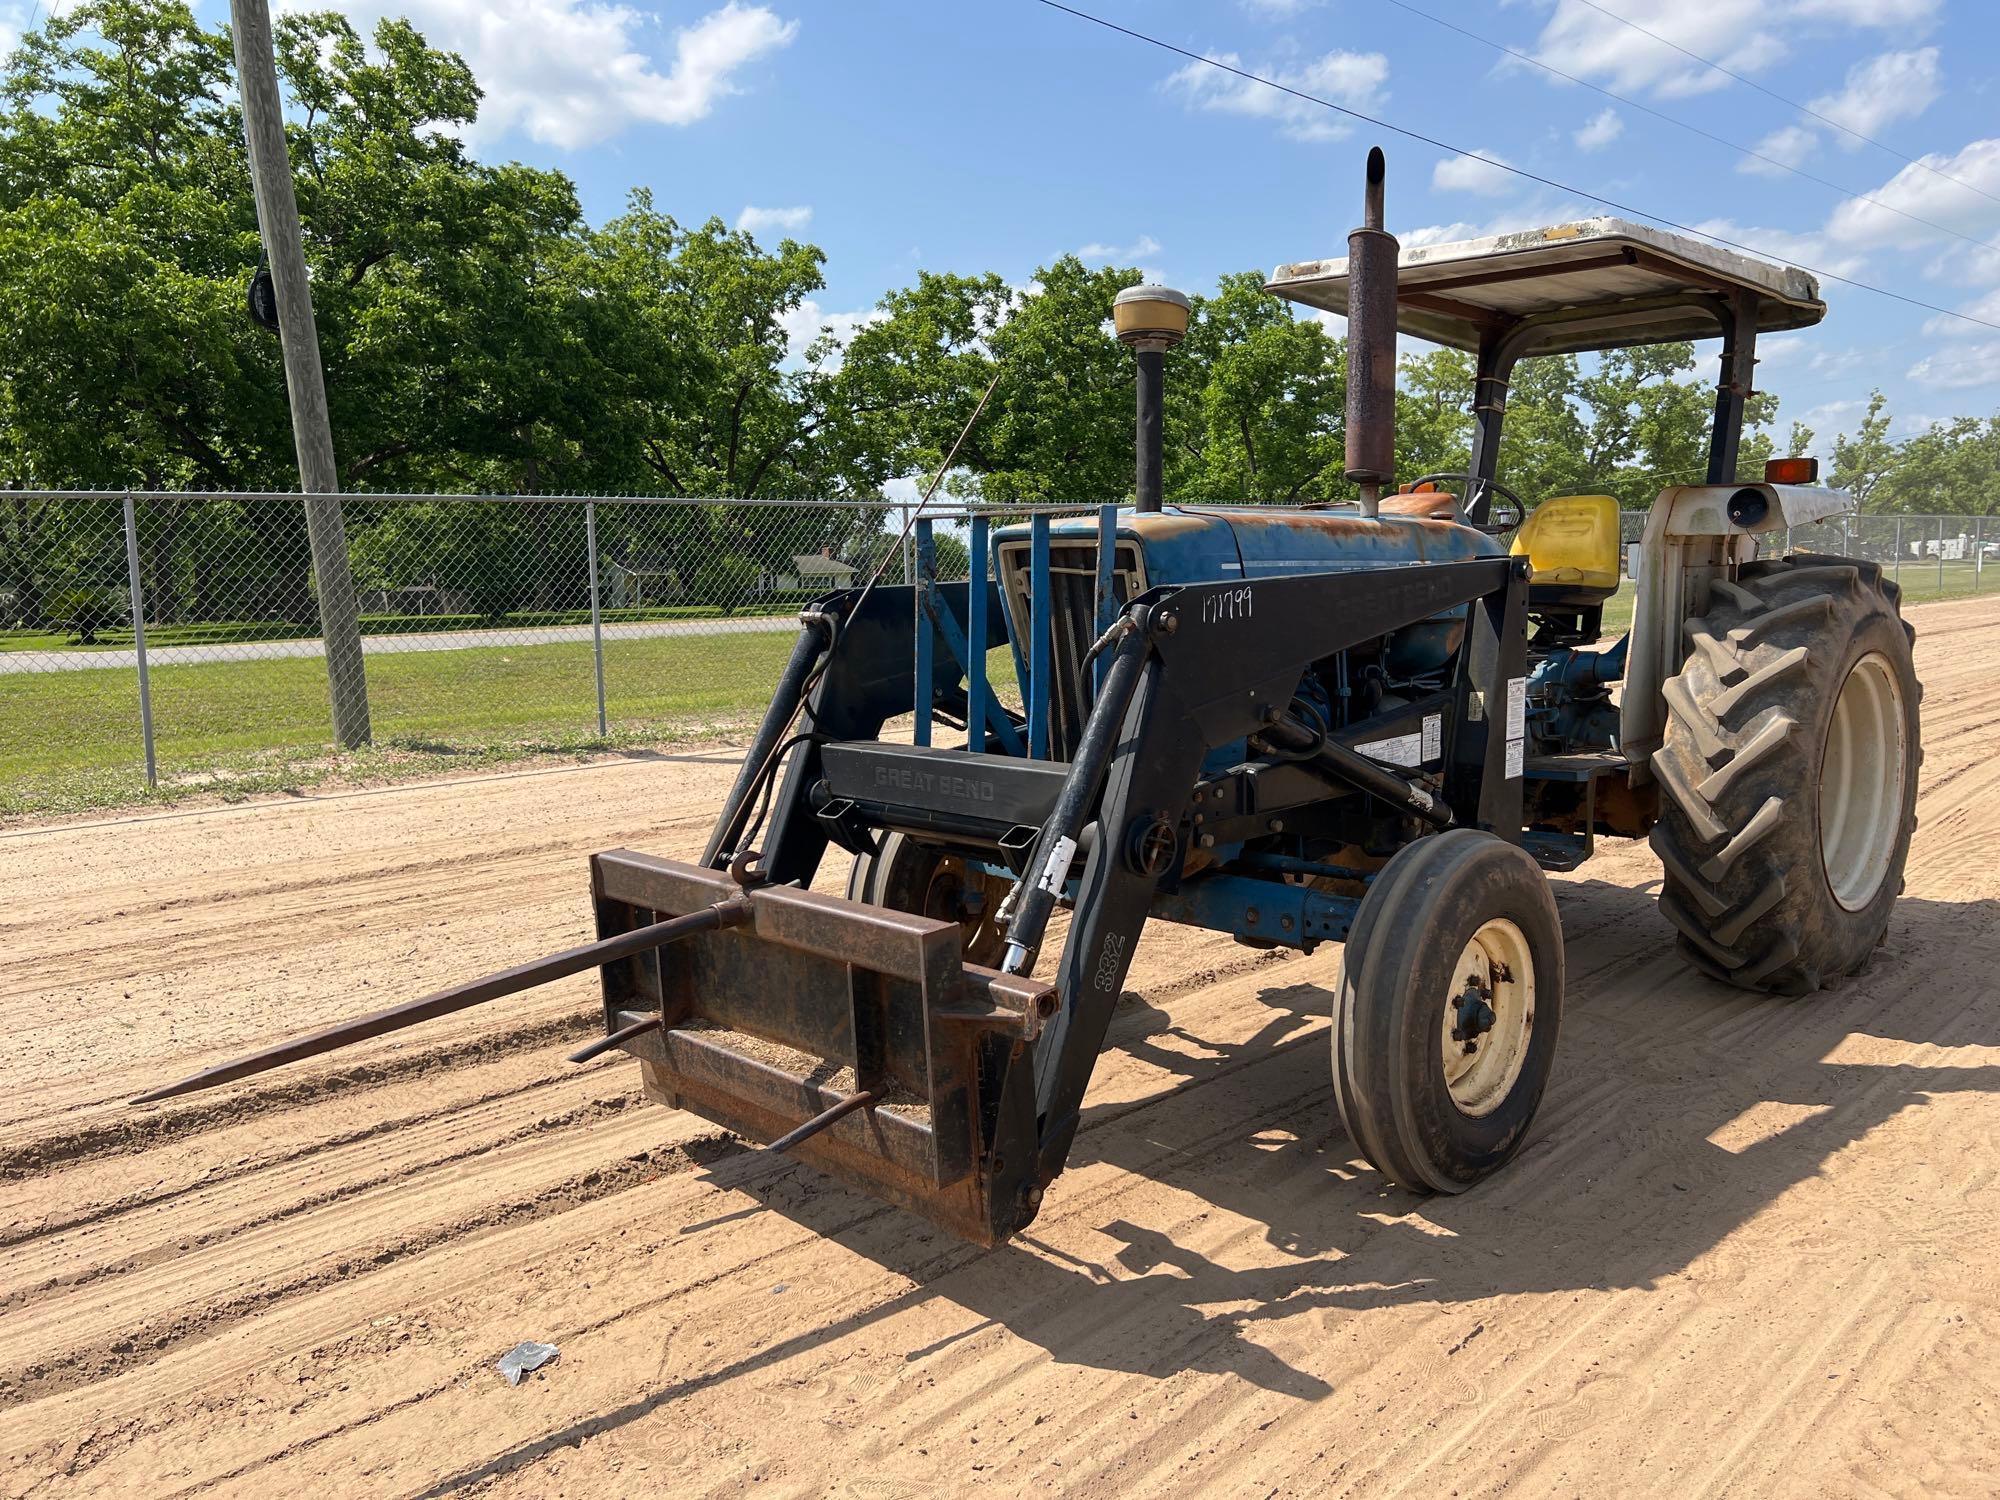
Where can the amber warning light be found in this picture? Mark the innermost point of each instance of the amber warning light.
(1791, 471)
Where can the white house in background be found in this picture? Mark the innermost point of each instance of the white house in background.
(812, 571)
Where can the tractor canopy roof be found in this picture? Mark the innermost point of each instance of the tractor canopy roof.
(1592, 284)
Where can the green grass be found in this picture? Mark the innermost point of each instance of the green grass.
(71, 739)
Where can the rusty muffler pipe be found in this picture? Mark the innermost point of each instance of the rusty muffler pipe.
(1371, 346)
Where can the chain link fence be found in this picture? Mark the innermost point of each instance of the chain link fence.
(176, 638)
(488, 624)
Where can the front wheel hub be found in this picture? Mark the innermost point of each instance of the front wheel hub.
(1475, 1018)
(1489, 1018)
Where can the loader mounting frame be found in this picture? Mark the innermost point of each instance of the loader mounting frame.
(815, 999)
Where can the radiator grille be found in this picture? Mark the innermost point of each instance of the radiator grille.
(1073, 622)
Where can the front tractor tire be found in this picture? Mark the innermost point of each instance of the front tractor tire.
(905, 875)
(1446, 1010)
(1788, 774)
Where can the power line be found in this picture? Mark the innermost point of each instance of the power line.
(1550, 182)
(1789, 103)
(1750, 151)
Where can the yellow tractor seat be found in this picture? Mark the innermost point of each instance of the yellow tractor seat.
(1572, 542)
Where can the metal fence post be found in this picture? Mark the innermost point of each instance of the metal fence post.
(1978, 553)
(1940, 582)
(138, 596)
(1899, 551)
(596, 615)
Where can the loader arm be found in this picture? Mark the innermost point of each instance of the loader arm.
(993, 1066)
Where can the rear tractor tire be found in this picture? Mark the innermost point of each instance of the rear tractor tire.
(1446, 1011)
(1788, 774)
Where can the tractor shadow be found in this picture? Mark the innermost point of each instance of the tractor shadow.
(1680, 1109)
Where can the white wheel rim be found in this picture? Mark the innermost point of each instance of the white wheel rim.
(1496, 961)
(1861, 782)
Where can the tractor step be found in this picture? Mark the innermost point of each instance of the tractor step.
(921, 789)
(1557, 851)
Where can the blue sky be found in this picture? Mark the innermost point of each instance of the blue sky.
(995, 135)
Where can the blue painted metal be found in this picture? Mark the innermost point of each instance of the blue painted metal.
(1276, 542)
(1291, 916)
(977, 695)
(1107, 596)
(962, 653)
(1569, 706)
(934, 608)
(925, 637)
(1039, 636)
(1580, 670)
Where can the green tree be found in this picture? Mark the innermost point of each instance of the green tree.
(1952, 468)
(1860, 462)
(1256, 397)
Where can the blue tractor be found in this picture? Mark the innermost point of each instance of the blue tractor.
(1374, 725)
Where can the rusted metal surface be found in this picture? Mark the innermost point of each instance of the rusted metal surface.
(726, 910)
(617, 1039)
(825, 1119)
(852, 990)
(1371, 345)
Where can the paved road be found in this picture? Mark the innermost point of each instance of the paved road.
(389, 645)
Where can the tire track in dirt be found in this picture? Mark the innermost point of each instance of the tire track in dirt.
(1709, 1172)
(86, 1333)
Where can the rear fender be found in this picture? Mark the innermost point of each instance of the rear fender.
(1692, 538)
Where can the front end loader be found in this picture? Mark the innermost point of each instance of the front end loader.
(1377, 726)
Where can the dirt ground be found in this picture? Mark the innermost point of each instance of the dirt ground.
(1750, 1250)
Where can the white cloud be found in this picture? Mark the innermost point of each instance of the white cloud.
(1807, 352)
(1600, 130)
(1960, 368)
(1879, 13)
(1143, 248)
(806, 322)
(754, 220)
(1785, 246)
(1353, 79)
(1986, 308)
(1591, 44)
(1894, 86)
(1927, 191)
(1479, 172)
(571, 73)
(1832, 362)
(1279, 9)
(1781, 349)
(1787, 146)
(1533, 213)
(1831, 417)
(1744, 36)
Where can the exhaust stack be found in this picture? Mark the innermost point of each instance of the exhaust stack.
(1371, 346)
(1151, 319)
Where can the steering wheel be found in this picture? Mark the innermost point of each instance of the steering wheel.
(1476, 483)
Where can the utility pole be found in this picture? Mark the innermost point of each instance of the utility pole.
(278, 218)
